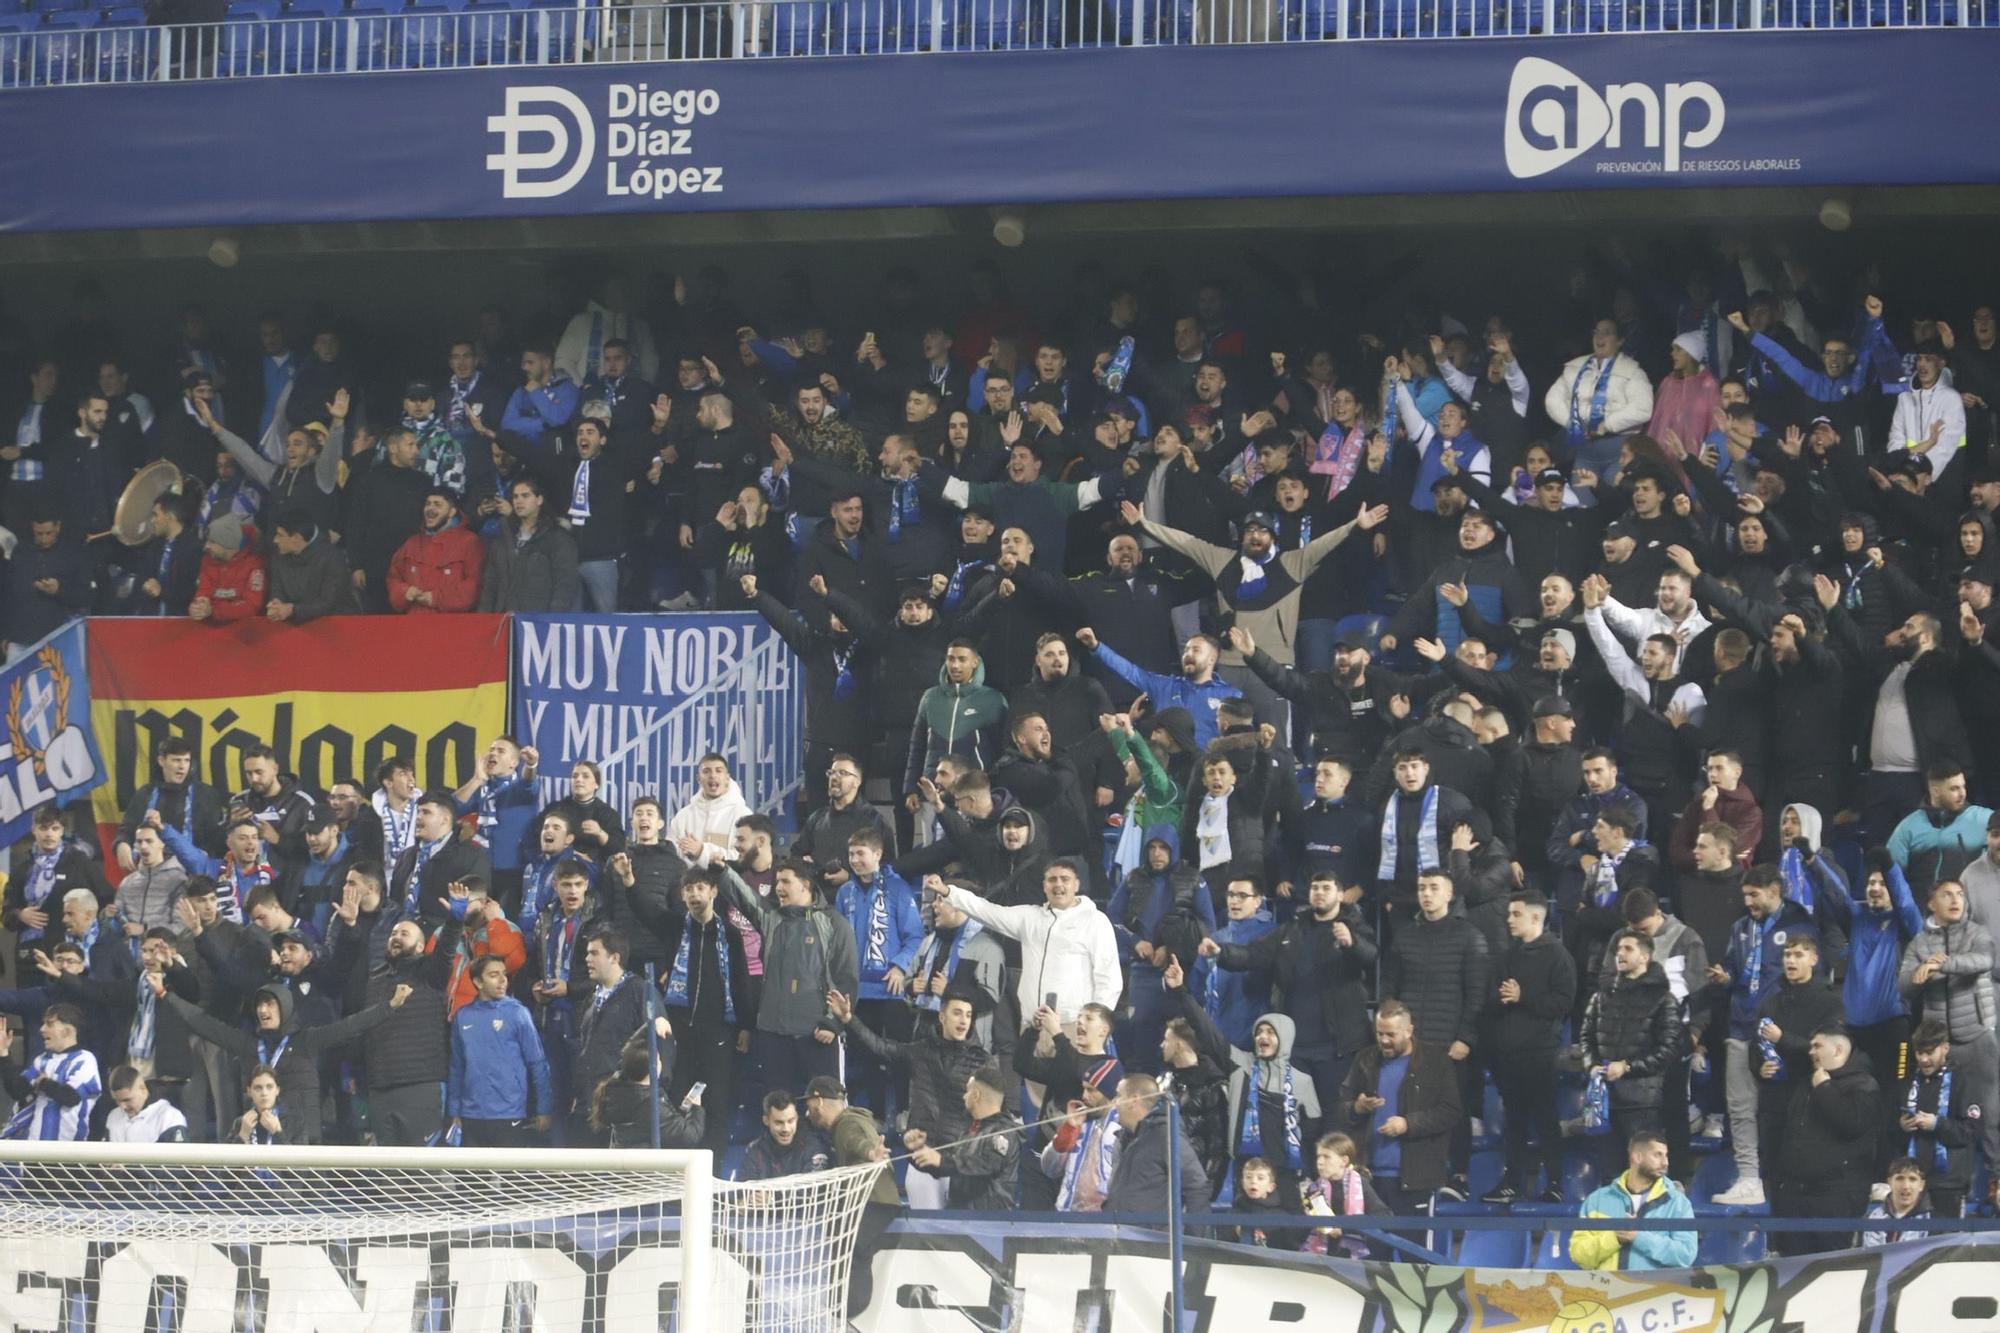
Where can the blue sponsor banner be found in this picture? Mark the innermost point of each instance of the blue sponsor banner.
(1327, 118)
(646, 696)
(48, 749)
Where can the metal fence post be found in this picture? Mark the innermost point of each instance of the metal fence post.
(1174, 1204)
(653, 1052)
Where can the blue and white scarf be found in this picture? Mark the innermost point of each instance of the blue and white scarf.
(844, 680)
(905, 507)
(41, 883)
(579, 495)
(1938, 1155)
(603, 993)
(186, 825)
(877, 955)
(139, 1041)
(928, 963)
(1104, 1128)
(1604, 885)
(1798, 883)
(954, 588)
(457, 415)
(1250, 575)
(1428, 855)
(1758, 930)
(1580, 429)
(680, 992)
(1250, 1143)
(413, 891)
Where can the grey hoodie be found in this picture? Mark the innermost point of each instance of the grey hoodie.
(1270, 1075)
(1981, 878)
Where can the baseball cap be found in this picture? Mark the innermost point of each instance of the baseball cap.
(419, 390)
(1259, 519)
(320, 820)
(1551, 476)
(1553, 705)
(1618, 528)
(825, 1085)
(1819, 421)
(1104, 1076)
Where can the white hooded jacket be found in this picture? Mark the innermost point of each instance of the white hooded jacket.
(1072, 954)
(713, 820)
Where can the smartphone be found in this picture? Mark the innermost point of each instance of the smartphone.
(693, 1094)
(1050, 999)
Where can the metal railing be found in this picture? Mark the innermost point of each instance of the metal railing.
(88, 46)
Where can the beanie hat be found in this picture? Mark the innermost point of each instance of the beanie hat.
(227, 532)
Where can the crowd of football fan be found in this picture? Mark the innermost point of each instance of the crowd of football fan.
(1302, 723)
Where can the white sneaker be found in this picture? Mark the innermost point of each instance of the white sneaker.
(1747, 1192)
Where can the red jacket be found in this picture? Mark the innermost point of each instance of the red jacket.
(235, 587)
(500, 937)
(445, 564)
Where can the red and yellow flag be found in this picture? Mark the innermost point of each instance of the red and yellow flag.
(334, 697)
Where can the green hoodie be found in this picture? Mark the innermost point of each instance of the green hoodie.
(958, 720)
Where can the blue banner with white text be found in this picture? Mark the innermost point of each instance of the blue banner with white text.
(48, 751)
(646, 696)
(1326, 118)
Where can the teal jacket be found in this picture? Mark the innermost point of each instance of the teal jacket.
(1650, 1249)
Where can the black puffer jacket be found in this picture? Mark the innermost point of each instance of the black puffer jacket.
(1533, 1024)
(1831, 1130)
(412, 1044)
(648, 909)
(1440, 970)
(1638, 1021)
(938, 1070)
(1203, 1092)
(1340, 983)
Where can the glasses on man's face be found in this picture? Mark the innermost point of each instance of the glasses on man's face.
(1240, 897)
(843, 773)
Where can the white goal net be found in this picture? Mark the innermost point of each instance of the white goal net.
(182, 1238)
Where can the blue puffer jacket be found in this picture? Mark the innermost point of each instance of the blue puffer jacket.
(497, 1064)
(902, 928)
(1875, 940)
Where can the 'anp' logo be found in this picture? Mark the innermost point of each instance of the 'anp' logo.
(1554, 117)
(560, 118)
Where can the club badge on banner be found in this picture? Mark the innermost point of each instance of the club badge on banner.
(646, 697)
(47, 752)
(333, 697)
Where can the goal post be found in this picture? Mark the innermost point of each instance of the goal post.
(223, 1238)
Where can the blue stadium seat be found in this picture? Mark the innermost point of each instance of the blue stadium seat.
(59, 6)
(432, 34)
(67, 47)
(306, 41)
(553, 32)
(1552, 1251)
(17, 44)
(492, 29)
(867, 26)
(248, 38)
(126, 50)
(985, 25)
(1712, 1175)
(1729, 1247)
(364, 35)
(1580, 1177)
(801, 28)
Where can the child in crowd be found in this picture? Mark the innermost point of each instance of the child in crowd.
(1341, 1190)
